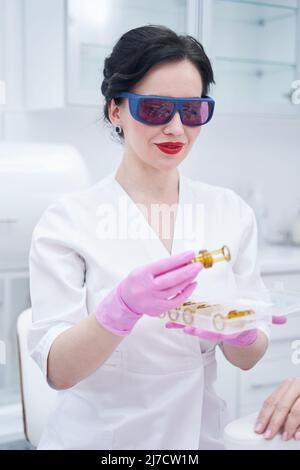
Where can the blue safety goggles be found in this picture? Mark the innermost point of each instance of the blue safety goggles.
(157, 110)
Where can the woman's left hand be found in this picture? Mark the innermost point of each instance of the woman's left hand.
(245, 338)
(281, 410)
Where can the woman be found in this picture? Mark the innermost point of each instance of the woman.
(100, 279)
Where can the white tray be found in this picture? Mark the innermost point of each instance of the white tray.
(238, 312)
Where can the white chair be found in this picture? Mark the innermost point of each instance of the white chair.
(240, 435)
(38, 398)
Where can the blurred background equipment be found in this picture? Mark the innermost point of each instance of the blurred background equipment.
(31, 177)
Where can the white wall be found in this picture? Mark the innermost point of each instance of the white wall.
(2, 51)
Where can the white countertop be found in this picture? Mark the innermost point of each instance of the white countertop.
(279, 259)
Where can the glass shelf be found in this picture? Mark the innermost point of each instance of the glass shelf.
(255, 54)
(289, 6)
(242, 87)
(252, 30)
(257, 62)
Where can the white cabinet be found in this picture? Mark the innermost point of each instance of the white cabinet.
(44, 54)
(66, 41)
(254, 47)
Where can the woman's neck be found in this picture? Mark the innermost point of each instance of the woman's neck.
(148, 183)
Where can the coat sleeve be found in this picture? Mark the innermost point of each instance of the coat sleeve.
(246, 267)
(57, 279)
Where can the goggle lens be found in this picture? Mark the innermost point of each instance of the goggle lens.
(155, 111)
(193, 113)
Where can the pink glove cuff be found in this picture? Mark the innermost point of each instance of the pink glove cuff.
(114, 315)
(246, 338)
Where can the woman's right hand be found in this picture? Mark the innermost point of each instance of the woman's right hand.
(281, 411)
(151, 289)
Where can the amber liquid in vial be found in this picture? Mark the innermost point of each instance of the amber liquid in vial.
(208, 258)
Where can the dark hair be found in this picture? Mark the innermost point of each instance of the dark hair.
(141, 48)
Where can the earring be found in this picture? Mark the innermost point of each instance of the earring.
(118, 129)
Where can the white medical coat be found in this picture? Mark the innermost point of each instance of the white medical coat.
(155, 391)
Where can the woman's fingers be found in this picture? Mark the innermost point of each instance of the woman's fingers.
(173, 262)
(172, 324)
(292, 422)
(281, 412)
(175, 279)
(204, 334)
(297, 434)
(182, 296)
(276, 410)
(268, 408)
(174, 290)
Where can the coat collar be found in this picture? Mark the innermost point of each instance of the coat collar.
(183, 239)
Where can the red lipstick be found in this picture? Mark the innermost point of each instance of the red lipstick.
(170, 148)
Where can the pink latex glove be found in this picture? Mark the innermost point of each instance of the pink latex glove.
(147, 290)
(245, 338)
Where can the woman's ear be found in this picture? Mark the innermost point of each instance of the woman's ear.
(114, 113)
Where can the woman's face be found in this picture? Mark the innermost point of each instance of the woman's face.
(173, 79)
